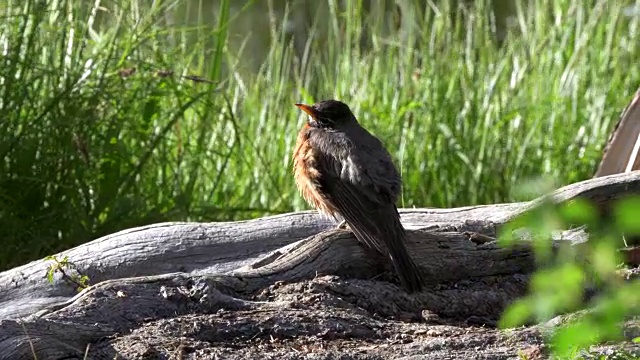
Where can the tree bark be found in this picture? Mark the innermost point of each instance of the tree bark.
(283, 285)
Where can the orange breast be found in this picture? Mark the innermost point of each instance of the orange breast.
(306, 174)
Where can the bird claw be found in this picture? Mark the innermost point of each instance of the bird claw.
(343, 225)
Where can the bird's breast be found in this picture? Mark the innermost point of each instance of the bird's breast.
(307, 173)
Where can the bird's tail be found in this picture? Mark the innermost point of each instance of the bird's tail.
(408, 271)
(384, 233)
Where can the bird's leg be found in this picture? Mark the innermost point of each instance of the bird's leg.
(342, 223)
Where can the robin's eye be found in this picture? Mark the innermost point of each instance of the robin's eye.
(325, 120)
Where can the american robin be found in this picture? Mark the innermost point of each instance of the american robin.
(346, 173)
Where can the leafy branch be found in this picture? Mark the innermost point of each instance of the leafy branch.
(69, 272)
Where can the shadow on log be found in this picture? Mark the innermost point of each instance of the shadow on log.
(285, 286)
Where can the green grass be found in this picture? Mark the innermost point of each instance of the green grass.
(87, 152)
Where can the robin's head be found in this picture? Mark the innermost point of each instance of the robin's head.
(331, 114)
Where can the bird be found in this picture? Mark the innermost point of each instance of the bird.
(345, 172)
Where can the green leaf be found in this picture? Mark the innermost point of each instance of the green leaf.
(605, 258)
(516, 314)
(564, 278)
(556, 290)
(578, 211)
(574, 337)
(508, 234)
(627, 213)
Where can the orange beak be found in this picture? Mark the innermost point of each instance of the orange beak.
(307, 109)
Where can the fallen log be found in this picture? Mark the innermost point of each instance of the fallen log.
(622, 150)
(280, 277)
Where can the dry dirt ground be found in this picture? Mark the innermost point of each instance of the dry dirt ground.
(328, 318)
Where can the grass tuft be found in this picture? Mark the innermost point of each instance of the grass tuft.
(101, 130)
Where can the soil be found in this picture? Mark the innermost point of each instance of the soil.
(325, 318)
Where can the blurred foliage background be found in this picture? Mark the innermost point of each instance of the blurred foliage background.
(115, 114)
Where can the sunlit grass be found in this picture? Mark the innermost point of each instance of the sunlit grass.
(87, 151)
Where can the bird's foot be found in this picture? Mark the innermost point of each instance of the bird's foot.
(343, 225)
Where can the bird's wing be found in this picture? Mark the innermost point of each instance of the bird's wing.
(363, 197)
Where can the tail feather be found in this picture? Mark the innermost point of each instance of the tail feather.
(408, 271)
(389, 231)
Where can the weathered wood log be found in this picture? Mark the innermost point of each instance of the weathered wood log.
(279, 277)
(622, 150)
